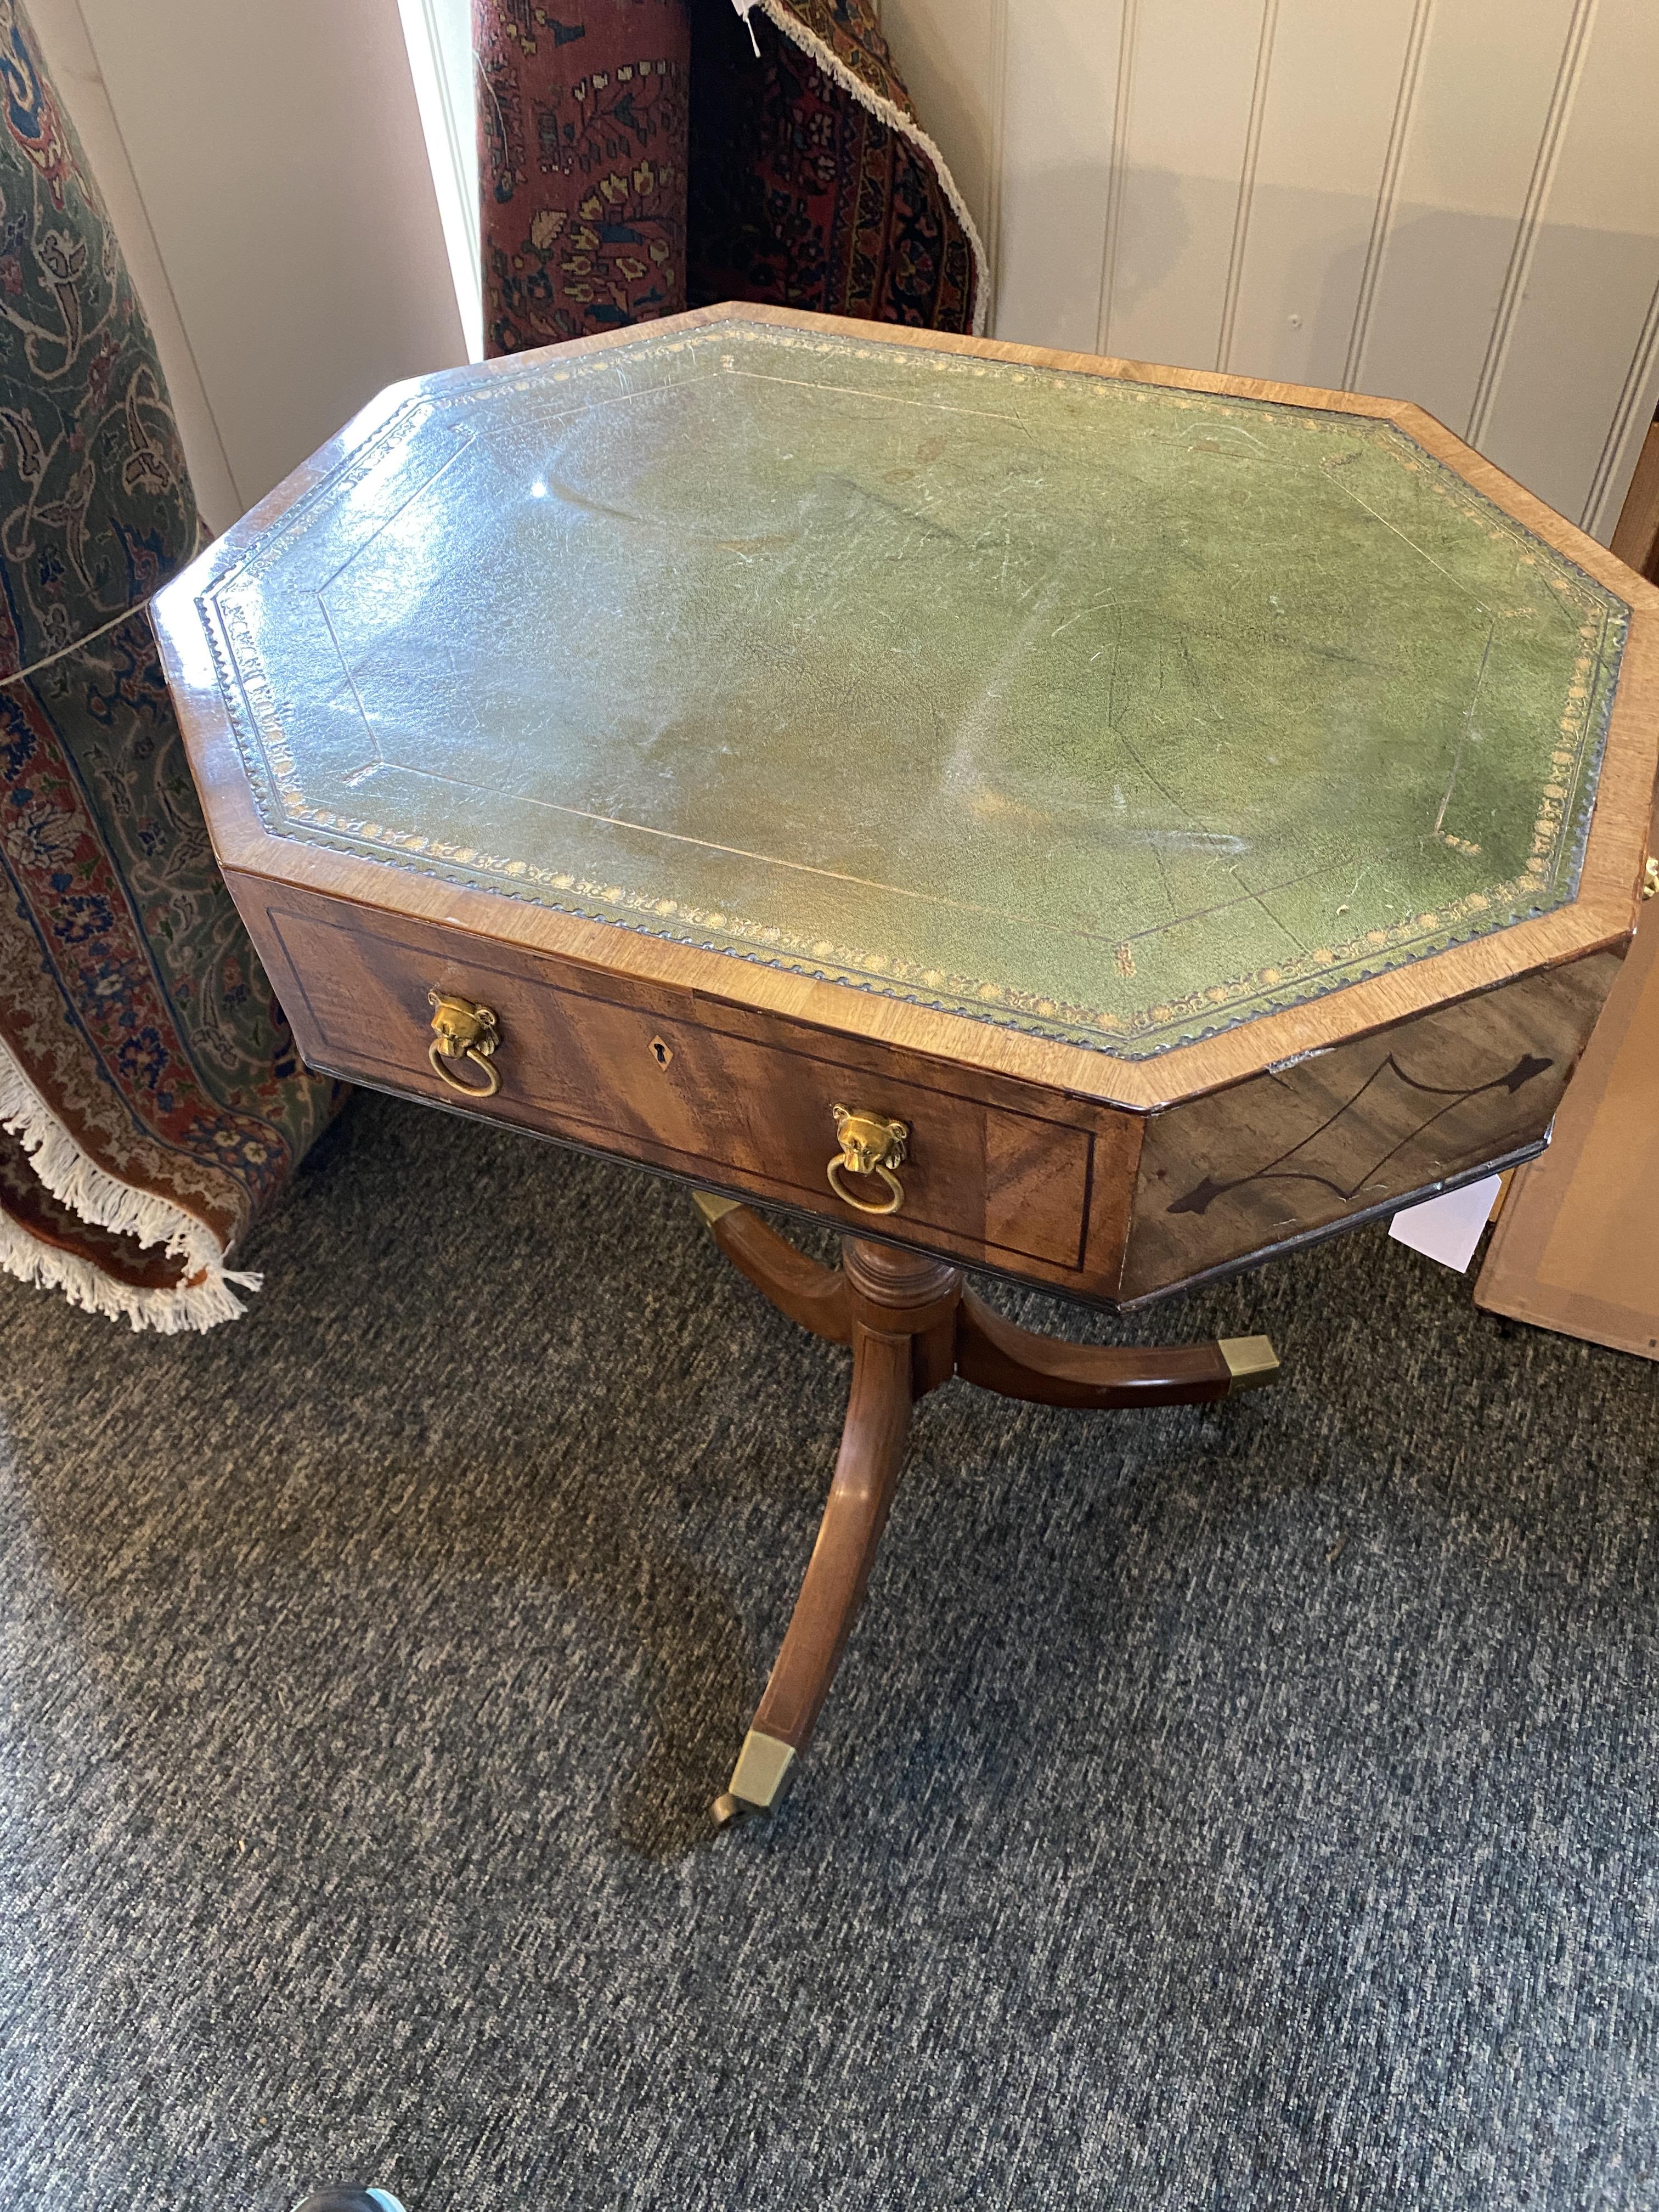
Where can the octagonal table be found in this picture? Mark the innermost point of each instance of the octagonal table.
(1098, 824)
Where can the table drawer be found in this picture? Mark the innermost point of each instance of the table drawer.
(670, 1078)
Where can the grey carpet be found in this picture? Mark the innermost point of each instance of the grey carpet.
(1249, 1806)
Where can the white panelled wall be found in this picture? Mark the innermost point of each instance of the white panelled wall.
(1450, 201)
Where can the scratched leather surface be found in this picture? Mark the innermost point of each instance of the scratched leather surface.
(1121, 713)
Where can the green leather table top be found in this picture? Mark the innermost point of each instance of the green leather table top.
(1115, 711)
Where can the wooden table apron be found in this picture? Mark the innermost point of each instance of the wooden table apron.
(1024, 1180)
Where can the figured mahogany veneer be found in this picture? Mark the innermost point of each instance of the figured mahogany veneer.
(1087, 1198)
(708, 1089)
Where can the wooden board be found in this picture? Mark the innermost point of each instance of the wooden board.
(1363, 197)
(1575, 1245)
(1637, 538)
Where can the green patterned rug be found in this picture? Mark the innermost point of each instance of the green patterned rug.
(147, 1075)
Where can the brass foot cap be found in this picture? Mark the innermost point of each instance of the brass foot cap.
(1251, 1362)
(763, 1769)
(712, 1207)
(726, 1807)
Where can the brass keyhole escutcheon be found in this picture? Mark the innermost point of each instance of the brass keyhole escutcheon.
(871, 1144)
(661, 1053)
(462, 1031)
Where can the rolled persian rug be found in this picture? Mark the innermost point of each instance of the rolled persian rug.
(151, 1098)
(642, 156)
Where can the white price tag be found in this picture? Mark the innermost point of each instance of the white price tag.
(1448, 1228)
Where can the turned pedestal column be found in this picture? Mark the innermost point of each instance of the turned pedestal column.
(912, 1325)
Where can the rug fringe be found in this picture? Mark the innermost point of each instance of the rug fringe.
(203, 1297)
(777, 13)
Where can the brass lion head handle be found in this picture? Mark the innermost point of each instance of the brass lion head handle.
(871, 1144)
(462, 1031)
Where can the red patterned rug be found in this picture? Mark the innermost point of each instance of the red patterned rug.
(641, 156)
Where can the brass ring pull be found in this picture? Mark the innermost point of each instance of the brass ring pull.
(863, 1204)
(464, 1031)
(871, 1144)
(487, 1089)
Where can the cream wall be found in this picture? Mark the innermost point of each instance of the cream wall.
(1450, 201)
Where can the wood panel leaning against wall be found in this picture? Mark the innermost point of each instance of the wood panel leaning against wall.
(1636, 539)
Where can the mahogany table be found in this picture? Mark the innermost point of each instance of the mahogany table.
(1096, 823)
